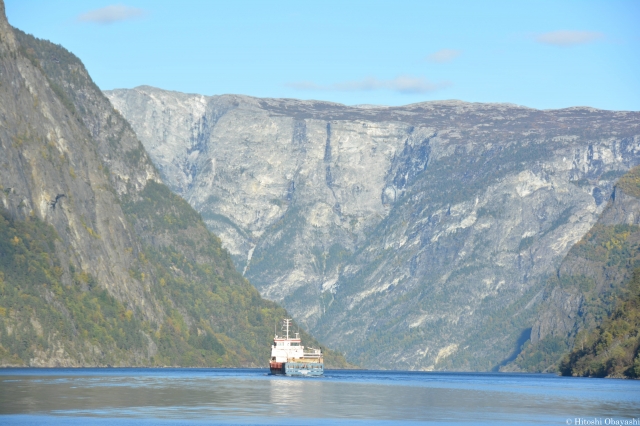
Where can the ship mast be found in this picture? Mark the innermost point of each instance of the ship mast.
(285, 326)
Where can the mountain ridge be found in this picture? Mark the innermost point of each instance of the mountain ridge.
(100, 263)
(146, 87)
(394, 233)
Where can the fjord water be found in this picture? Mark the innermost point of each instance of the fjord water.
(250, 396)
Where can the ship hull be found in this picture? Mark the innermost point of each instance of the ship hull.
(300, 369)
(277, 367)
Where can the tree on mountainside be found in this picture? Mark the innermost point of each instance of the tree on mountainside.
(612, 349)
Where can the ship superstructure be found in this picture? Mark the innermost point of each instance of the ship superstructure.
(289, 357)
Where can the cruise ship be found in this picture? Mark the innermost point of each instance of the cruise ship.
(290, 358)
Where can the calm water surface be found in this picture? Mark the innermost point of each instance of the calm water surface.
(221, 396)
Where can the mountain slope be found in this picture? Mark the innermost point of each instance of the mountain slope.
(612, 349)
(417, 237)
(586, 291)
(100, 262)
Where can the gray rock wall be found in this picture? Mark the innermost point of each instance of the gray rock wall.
(587, 285)
(409, 237)
(51, 168)
(100, 263)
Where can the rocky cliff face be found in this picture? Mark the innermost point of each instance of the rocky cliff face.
(562, 307)
(588, 283)
(52, 168)
(413, 237)
(99, 262)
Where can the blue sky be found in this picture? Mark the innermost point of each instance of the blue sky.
(542, 54)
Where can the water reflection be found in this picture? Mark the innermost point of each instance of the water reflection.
(284, 390)
(252, 396)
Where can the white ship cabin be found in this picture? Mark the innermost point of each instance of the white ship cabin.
(287, 348)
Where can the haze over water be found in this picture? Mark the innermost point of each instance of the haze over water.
(224, 396)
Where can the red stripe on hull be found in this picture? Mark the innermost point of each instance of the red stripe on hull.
(276, 367)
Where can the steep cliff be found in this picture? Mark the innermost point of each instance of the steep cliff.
(586, 291)
(100, 263)
(613, 348)
(412, 237)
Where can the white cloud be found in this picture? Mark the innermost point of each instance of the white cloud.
(112, 13)
(444, 55)
(568, 38)
(402, 84)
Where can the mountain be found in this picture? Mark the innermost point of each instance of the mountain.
(100, 263)
(589, 306)
(612, 349)
(412, 237)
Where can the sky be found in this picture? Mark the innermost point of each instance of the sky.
(541, 54)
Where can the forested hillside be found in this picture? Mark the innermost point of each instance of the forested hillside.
(589, 308)
(100, 264)
(611, 350)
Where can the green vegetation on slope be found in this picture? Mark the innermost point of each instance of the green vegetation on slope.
(612, 349)
(192, 273)
(612, 251)
(630, 182)
(543, 355)
(205, 313)
(229, 325)
(39, 314)
(602, 270)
